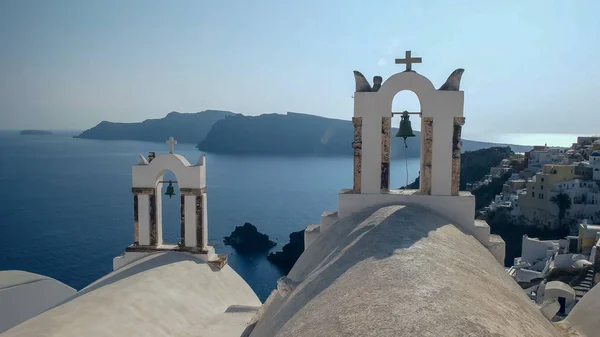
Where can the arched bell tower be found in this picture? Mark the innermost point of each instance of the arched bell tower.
(441, 124)
(147, 178)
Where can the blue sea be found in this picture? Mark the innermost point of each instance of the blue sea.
(66, 208)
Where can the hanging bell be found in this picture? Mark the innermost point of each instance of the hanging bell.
(170, 190)
(405, 129)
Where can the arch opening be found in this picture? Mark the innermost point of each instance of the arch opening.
(405, 161)
(168, 209)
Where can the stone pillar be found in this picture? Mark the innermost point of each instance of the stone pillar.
(426, 154)
(456, 148)
(199, 224)
(136, 221)
(357, 146)
(143, 215)
(194, 218)
(386, 128)
(153, 223)
(182, 222)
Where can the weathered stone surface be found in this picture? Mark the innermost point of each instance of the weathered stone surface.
(219, 262)
(453, 81)
(362, 85)
(153, 225)
(357, 169)
(456, 153)
(427, 134)
(411, 273)
(142, 190)
(357, 146)
(182, 213)
(199, 224)
(136, 221)
(385, 177)
(456, 138)
(386, 127)
(192, 191)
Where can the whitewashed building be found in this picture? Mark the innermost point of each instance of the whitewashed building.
(585, 199)
(540, 156)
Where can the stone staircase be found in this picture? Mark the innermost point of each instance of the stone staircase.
(480, 230)
(583, 285)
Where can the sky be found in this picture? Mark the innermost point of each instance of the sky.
(530, 66)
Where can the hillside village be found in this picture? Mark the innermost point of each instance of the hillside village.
(550, 190)
(550, 176)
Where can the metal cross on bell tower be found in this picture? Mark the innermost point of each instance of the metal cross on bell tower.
(408, 60)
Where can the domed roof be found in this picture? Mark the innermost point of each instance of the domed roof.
(407, 261)
(595, 154)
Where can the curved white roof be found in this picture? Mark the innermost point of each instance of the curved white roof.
(11, 278)
(400, 271)
(164, 294)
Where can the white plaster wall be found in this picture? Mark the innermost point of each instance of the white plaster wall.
(549, 308)
(533, 250)
(187, 176)
(443, 106)
(460, 209)
(311, 233)
(497, 249)
(190, 220)
(566, 260)
(127, 258)
(144, 219)
(526, 275)
(556, 289)
(24, 301)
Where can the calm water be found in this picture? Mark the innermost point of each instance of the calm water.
(66, 208)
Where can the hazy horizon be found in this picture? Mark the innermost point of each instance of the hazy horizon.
(66, 64)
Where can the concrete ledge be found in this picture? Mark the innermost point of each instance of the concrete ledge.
(207, 254)
(310, 234)
(481, 231)
(218, 261)
(328, 218)
(460, 209)
(127, 258)
(497, 247)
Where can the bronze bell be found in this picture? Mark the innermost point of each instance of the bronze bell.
(170, 190)
(405, 129)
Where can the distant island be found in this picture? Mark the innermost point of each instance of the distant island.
(189, 128)
(290, 134)
(35, 133)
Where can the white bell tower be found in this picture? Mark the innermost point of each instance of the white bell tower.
(441, 126)
(147, 178)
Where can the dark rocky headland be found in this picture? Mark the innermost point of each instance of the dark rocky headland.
(230, 133)
(247, 239)
(289, 254)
